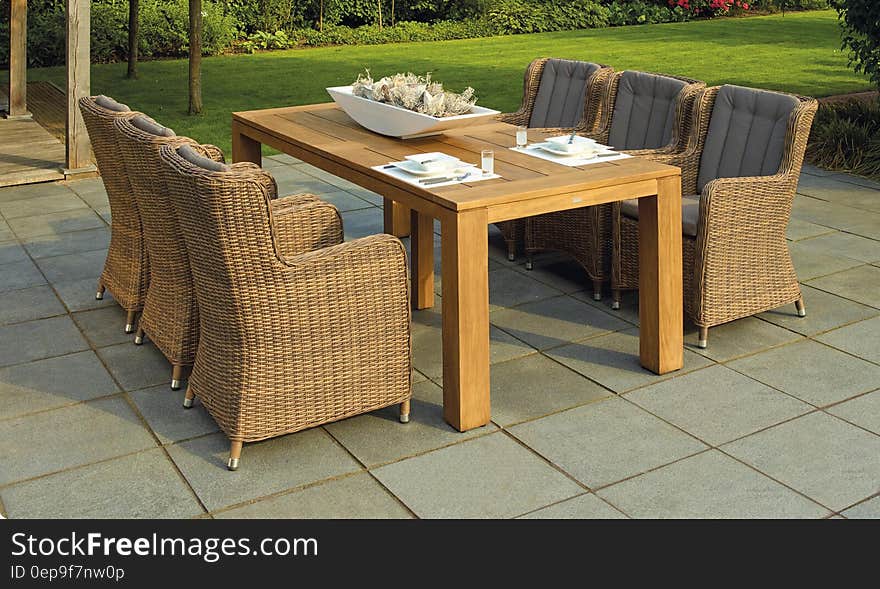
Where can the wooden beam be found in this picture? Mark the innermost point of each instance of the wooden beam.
(18, 59)
(78, 84)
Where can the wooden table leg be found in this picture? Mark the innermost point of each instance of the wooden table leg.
(397, 218)
(244, 148)
(422, 260)
(465, 268)
(661, 345)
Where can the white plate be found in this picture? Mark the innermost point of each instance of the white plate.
(416, 169)
(434, 161)
(589, 151)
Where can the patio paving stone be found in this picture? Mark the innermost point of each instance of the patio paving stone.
(534, 386)
(163, 411)
(821, 456)
(6, 233)
(555, 321)
(588, 506)
(861, 339)
(812, 372)
(19, 275)
(11, 252)
(824, 311)
(558, 271)
(143, 485)
(844, 245)
(358, 496)
(607, 441)
(54, 382)
(80, 434)
(345, 201)
(42, 338)
(825, 213)
(26, 304)
(103, 327)
(362, 223)
(41, 205)
(73, 266)
(868, 510)
(79, 295)
(739, 338)
(832, 189)
(717, 404)
(137, 367)
(508, 288)
(709, 485)
(58, 244)
(863, 411)
(489, 477)
(799, 229)
(30, 191)
(629, 304)
(51, 224)
(858, 284)
(810, 263)
(613, 361)
(267, 467)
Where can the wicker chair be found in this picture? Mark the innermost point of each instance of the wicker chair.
(297, 328)
(126, 271)
(644, 114)
(557, 94)
(739, 175)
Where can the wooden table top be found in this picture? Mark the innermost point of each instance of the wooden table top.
(329, 133)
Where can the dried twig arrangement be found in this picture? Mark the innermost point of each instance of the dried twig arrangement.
(416, 93)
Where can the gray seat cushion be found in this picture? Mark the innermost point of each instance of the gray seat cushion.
(690, 212)
(746, 134)
(193, 157)
(561, 93)
(644, 110)
(110, 104)
(148, 125)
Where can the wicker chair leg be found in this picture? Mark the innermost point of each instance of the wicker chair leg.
(704, 338)
(529, 264)
(129, 322)
(801, 308)
(597, 290)
(511, 249)
(139, 337)
(188, 398)
(176, 376)
(615, 299)
(404, 412)
(100, 294)
(234, 455)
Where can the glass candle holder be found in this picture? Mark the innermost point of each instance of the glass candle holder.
(487, 157)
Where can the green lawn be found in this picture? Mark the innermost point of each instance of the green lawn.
(796, 53)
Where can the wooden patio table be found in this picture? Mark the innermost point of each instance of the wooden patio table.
(324, 136)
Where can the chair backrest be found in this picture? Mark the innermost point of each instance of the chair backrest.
(644, 110)
(747, 134)
(562, 93)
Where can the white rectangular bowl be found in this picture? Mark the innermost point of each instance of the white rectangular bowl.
(394, 121)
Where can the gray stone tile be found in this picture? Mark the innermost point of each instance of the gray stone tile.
(73, 266)
(55, 382)
(535, 386)
(831, 189)
(824, 311)
(868, 225)
(379, 437)
(86, 185)
(19, 275)
(860, 284)
(613, 361)
(858, 180)
(36, 302)
(811, 371)
(6, 233)
(79, 295)
(863, 411)
(41, 205)
(362, 223)
(629, 304)
(58, 244)
(821, 456)
(136, 367)
(508, 288)
(825, 213)
(844, 245)
(143, 485)
(710, 486)
(104, 327)
(358, 496)
(68, 437)
(267, 467)
(717, 404)
(740, 337)
(814, 171)
(367, 195)
(164, 412)
(11, 252)
(560, 272)
(861, 339)
(105, 214)
(489, 477)
(77, 220)
(868, 510)
(810, 263)
(606, 442)
(587, 506)
(31, 191)
(345, 201)
(555, 321)
(799, 229)
(42, 338)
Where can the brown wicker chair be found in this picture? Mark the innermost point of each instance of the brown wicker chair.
(297, 328)
(557, 94)
(735, 256)
(126, 270)
(650, 116)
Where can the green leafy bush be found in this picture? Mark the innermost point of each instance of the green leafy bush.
(860, 20)
(847, 137)
(517, 16)
(640, 12)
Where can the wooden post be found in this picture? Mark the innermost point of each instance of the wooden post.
(78, 85)
(18, 60)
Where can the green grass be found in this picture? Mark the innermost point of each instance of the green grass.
(796, 53)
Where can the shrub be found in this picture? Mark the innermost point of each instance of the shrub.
(641, 12)
(516, 16)
(847, 137)
(860, 20)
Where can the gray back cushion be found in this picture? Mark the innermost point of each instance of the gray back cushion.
(746, 134)
(195, 158)
(644, 111)
(110, 104)
(148, 125)
(561, 93)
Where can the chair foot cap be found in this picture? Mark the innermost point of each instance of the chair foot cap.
(802, 312)
(597, 296)
(138, 340)
(511, 257)
(702, 344)
(404, 418)
(187, 403)
(175, 385)
(99, 296)
(615, 305)
(232, 464)
(129, 328)
(529, 265)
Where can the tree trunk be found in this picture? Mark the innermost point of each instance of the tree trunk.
(133, 14)
(379, 4)
(321, 17)
(195, 57)
(392, 13)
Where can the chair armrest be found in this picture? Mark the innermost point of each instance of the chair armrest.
(210, 151)
(303, 223)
